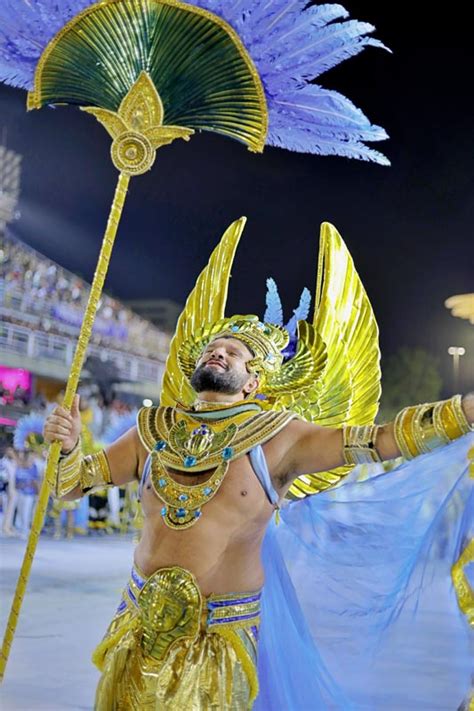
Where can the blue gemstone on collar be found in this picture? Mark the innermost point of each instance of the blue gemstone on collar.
(183, 497)
(160, 445)
(189, 461)
(163, 511)
(181, 513)
(162, 482)
(197, 513)
(227, 453)
(207, 490)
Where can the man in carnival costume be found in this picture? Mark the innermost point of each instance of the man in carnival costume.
(251, 413)
(239, 429)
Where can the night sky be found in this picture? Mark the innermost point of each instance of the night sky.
(408, 227)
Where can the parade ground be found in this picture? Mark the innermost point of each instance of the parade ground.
(74, 589)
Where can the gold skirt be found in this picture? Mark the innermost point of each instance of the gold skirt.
(169, 647)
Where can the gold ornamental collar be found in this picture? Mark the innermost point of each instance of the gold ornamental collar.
(198, 441)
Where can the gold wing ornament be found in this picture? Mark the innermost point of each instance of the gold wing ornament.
(348, 390)
(334, 377)
(205, 305)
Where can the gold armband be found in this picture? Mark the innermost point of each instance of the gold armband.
(359, 444)
(422, 428)
(74, 469)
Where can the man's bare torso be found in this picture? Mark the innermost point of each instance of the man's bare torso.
(223, 548)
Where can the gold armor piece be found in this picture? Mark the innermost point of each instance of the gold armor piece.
(422, 428)
(359, 445)
(170, 609)
(90, 472)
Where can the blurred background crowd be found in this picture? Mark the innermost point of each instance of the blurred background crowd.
(34, 291)
(22, 465)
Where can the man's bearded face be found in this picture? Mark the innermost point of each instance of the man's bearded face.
(222, 367)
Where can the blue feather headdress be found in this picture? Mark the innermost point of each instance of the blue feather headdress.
(29, 432)
(274, 314)
(290, 42)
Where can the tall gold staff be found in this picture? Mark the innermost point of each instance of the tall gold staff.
(113, 55)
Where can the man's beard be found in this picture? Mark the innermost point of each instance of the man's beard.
(217, 380)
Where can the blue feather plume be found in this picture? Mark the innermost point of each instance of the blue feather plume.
(274, 314)
(290, 42)
(300, 313)
(28, 425)
(26, 27)
(274, 310)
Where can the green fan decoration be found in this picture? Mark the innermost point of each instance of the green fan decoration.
(203, 77)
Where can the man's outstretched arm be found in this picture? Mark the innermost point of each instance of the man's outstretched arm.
(311, 449)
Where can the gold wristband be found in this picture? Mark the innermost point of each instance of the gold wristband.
(422, 428)
(359, 444)
(90, 472)
(455, 404)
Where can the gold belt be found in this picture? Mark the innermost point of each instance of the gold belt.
(172, 608)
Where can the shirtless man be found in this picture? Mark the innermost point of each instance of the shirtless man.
(222, 552)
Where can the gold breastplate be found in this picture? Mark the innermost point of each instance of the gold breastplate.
(200, 441)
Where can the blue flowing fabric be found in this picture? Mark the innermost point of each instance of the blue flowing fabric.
(355, 579)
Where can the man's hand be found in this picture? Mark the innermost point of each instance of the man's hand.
(63, 426)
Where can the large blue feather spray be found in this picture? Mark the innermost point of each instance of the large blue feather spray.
(290, 42)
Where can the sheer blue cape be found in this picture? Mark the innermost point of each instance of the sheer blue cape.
(355, 580)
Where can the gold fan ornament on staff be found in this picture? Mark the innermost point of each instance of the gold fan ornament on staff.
(137, 128)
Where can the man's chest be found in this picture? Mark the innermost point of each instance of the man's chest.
(194, 464)
(240, 494)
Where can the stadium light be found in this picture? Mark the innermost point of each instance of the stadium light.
(456, 352)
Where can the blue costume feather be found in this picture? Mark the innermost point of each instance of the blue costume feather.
(300, 313)
(290, 43)
(274, 314)
(274, 310)
(28, 425)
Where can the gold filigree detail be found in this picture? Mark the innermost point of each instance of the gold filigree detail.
(256, 134)
(422, 428)
(154, 425)
(181, 441)
(88, 472)
(170, 610)
(201, 442)
(360, 444)
(183, 502)
(137, 127)
(464, 591)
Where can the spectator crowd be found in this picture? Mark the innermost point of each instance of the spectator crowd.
(36, 291)
(22, 469)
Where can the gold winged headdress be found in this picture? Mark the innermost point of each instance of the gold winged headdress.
(333, 378)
